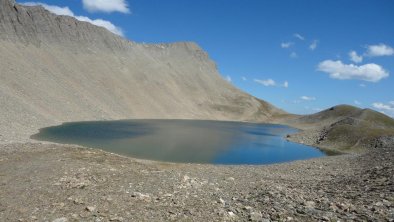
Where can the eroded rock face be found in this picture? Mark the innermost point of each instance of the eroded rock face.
(55, 69)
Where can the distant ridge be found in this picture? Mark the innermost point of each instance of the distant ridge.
(55, 69)
(345, 128)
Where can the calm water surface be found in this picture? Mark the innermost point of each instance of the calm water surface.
(187, 141)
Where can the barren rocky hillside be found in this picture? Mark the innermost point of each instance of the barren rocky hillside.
(55, 69)
(344, 128)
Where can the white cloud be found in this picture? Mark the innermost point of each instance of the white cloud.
(244, 78)
(382, 106)
(66, 11)
(228, 78)
(102, 23)
(387, 109)
(355, 57)
(317, 109)
(293, 55)
(298, 36)
(337, 70)
(52, 8)
(271, 82)
(357, 102)
(308, 98)
(362, 85)
(286, 45)
(313, 45)
(267, 82)
(107, 6)
(379, 50)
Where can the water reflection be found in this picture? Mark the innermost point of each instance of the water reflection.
(188, 141)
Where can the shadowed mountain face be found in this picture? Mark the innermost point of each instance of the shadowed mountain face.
(55, 69)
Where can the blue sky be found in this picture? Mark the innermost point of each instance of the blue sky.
(293, 54)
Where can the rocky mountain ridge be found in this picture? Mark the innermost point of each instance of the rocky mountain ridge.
(56, 69)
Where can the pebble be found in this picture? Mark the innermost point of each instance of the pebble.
(61, 219)
(310, 204)
(90, 208)
(255, 216)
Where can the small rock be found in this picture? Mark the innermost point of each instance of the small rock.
(379, 204)
(186, 178)
(167, 195)
(324, 218)
(61, 219)
(141, 196)
(309, 204)
(231, 214)
(255, 216)
(90, 208)
(116, 218)
(386, 203)
(75, 216)
(248, 208)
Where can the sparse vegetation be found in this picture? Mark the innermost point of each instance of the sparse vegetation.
(344, 128)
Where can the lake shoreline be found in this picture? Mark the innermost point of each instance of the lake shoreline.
(52, 181)
(185, 141)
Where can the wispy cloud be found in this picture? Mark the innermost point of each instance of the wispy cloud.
(228, 78)
(298, 36)
(66, 11)
(286, 45)
(107, 6)
(382, 106)
(308, 98)
(293, 55)
(353, 56)
(362, 85)
(271, 82)
(357, 102)
(244, 78)
(313, 45)
(379, 50)
(266, 82)
(337, 70)
(296, 101)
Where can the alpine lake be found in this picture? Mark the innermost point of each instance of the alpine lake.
(185, 141)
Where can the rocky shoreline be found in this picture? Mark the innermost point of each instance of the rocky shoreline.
(51, 182)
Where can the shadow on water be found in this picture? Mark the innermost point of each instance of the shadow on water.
(187, 141)
(106, 130)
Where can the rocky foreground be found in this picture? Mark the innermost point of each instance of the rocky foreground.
(48, 182)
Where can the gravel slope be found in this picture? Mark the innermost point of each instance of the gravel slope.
(46, 182)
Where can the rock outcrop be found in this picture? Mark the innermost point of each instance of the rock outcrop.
(55, 69)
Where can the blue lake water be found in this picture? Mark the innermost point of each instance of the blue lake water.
(185, 141)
